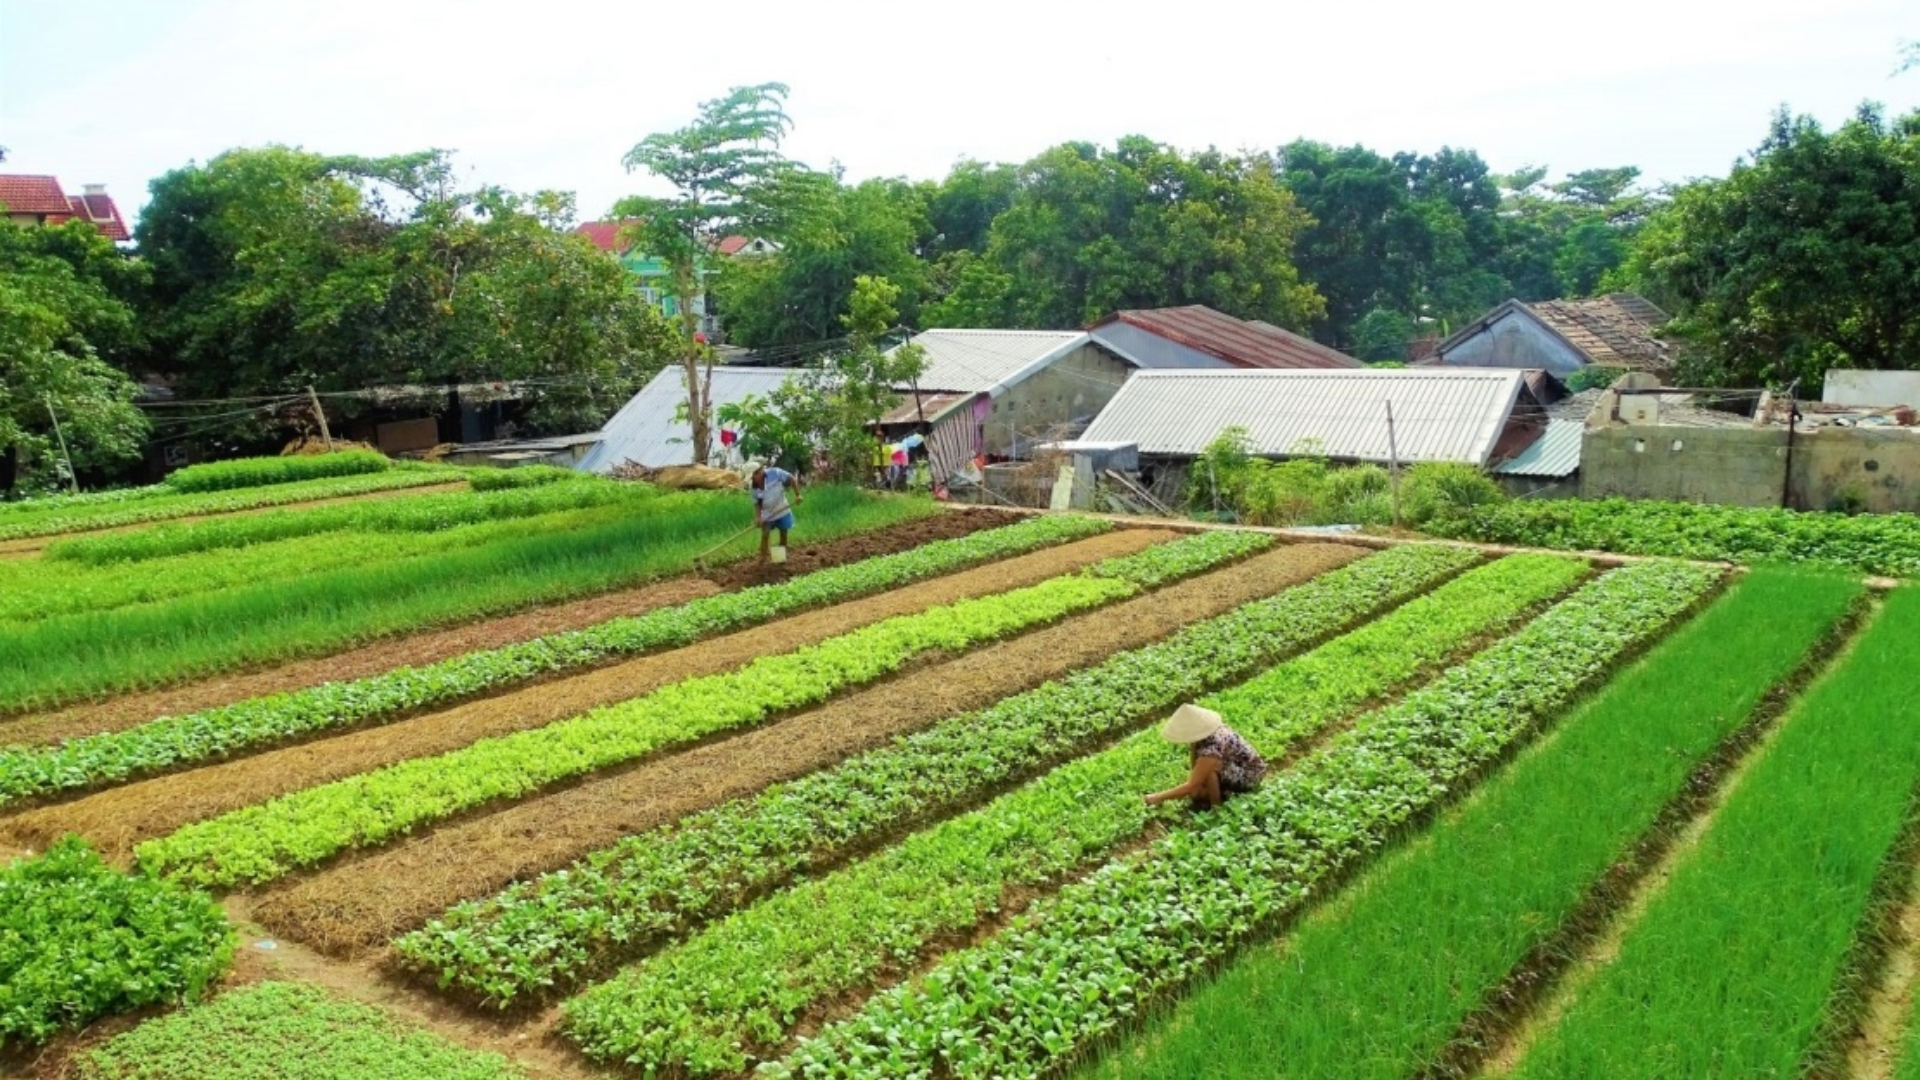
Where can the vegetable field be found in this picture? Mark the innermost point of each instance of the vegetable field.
(877, 813)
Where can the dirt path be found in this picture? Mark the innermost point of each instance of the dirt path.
(117, 819)
(1875, 1052)
(358, 906)
(120, 713)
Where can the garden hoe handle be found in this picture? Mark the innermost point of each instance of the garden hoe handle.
(700, 560)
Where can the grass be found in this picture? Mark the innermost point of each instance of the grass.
(1376, 985)
(63, 659)
(286, 1031)
(1735, 967)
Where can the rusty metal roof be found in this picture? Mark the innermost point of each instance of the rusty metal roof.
(1241, 343)
(1438, 415)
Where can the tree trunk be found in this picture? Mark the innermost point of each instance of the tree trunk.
(699, 382)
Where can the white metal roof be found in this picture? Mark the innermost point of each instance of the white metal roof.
(645, 431)
(1439, 415)
(974, 361)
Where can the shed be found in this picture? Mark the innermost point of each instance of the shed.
(647, 430)
(1198, 337)
(1549, 467)
(1563, 336)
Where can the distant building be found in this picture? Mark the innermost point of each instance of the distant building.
(1564, 336)
(1197, 336)
(654, 276)
(650, 430)
(39, 200)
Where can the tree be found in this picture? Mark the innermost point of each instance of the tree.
(727, 174)
(1802, 259)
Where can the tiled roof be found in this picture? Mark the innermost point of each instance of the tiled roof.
(34, 195)
(605, 235)
(731, 245)
(97, 207)
(1243, 344)
(1616, 330)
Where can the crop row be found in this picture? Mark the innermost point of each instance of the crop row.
(550, 932)
(79, 940)
(166, 505)
(731, 993)
(264, 471)
(1084, 961)
(228, 729)
(265, 841)
(1870, 543)
(53, 661)
(288, 1031)
(416, 513)
(1361, 993)
(1740, 965)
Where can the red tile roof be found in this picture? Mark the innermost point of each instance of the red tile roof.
(98, 208)
(731, 245)
(33, 195)
(1242, 344)
(605, 235)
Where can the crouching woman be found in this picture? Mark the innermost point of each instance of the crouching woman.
(1221, 764)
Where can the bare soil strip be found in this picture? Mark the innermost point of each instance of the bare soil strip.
(358, 906)
(116, 819)
(1875, 1051)
(125, 711)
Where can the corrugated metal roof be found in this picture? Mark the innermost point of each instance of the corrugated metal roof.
(645, 431)
(1438, 415)
(971, 361)
(1246, 344)
(1556, 453)
(929, 407)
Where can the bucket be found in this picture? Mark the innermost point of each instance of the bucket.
(778, 553)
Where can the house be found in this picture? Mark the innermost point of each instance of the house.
(1196, 336)
(654, 275)
(39, 200)
(1476, 418)
(650, 429)
(1564, 336)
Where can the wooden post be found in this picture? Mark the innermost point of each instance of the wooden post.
(321, 415)
(1793, 418)
(1393, 465)
(73, 478)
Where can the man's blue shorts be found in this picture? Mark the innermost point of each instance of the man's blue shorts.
(784, 522)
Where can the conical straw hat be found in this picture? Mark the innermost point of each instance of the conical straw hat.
(1190, 724)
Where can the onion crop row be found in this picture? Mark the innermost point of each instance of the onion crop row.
(1737, 966)
(1359, 993)
(730, 994)
(1087, 959)
(229, 729)
(264, 841)
(551, 932)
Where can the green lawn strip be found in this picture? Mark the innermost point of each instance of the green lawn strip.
(1361, 992)
(286, 1031)
(1089, 958)
(1870, 543)
(264, 471)
(80, 940)
(544, 935)
(213, 733)
(730, 995)
(1732, 968)
(264, 841)
(55, 661)
(166, 507)
(34, 589)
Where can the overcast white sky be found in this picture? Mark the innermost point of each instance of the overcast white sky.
(552, 93)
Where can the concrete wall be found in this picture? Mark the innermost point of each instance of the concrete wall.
(1880, 388)
(1834, 468)
(1516, 341)
(1049, 404)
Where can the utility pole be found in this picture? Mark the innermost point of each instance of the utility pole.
(320, 415)
(1793, 421)
(1393, 465)
(73, 478)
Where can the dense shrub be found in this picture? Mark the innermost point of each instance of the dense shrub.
(1307, 489)
(260, 472)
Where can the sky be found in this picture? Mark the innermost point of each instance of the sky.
(552, 94)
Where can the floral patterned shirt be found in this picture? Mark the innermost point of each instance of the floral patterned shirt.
(1241, 766)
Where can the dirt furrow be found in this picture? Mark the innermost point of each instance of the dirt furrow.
(1875, 1050)
(357, 906)
(117, 819)
(125, 711)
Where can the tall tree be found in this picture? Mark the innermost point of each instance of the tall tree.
(727, 173)
(1802, 259)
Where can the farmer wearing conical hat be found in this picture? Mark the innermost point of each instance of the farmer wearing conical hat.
(1222, 763)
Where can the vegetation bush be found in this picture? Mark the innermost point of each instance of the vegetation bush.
(260, 472)
(79, 940)
(1438, 488)
(1310, 490)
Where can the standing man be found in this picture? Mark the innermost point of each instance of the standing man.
(771, 510)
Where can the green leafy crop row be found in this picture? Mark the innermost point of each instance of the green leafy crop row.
(1083, 961)
(228, 729)
(79, 941)
(1870, 543)
(730, 994)
(1364, 993)
(263, 471)
(560, 927)
(265, 841)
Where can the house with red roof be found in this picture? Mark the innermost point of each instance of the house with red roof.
(1197, 336)
(40, 200)
(615, 238)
